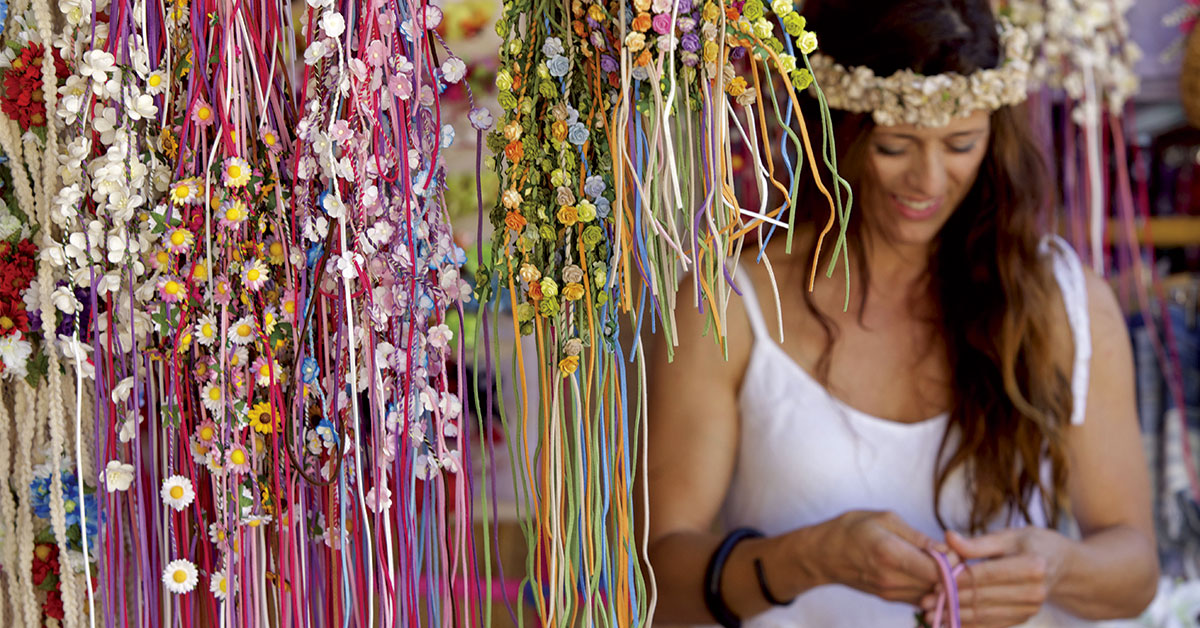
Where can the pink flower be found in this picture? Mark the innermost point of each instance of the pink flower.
(376, 53)
(271, 139)
(290, 305)
(237, 460)
(171, 289)
(400, 86)
(662, 23)
(206, 431)
(387, 22)
(203, 114)
(222, 292)
(440, 336)
(264, 369)
(341, 132)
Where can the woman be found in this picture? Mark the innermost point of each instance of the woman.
(976, 392)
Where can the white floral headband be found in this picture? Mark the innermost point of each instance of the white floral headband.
(929, 101)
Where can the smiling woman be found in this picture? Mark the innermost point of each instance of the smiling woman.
(945, 404)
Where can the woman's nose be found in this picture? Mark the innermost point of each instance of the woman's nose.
(927, 175)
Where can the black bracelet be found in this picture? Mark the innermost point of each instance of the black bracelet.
(766, 590)
(713, 599)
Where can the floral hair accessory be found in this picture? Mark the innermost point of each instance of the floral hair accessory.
(907, 97)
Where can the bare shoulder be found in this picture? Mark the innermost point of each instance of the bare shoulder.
(1105, 320)
(1104, 313)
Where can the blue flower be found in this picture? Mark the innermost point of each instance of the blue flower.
(559, 66)
(313, 255)
(602, 207)
(309, 371)
(447, 135)
(594, 186)
(578, 134)
(3, 19)
(325, 431)
(40, 497)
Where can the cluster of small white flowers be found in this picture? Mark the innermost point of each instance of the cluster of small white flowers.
(1079, 41)
(930, 101)
(123, 181)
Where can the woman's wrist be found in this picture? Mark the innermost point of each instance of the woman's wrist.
(794, 563)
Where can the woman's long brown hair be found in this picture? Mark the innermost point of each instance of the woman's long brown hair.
(993, 292)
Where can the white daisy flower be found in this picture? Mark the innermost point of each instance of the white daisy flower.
(212, 397)
(177, 492)
(156, 83)
(218, 585)
(180, 576)
(242, 330)
(206, 330)
(255, 274)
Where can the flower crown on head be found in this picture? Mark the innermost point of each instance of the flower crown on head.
(907, 97)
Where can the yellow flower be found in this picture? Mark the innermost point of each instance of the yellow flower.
(711, 12)
(710, 51)
(573, 292)
(635, 41)
(568, 365)
(586, 211)
(736, 87)
(512, 131)
(567, 215)
(549, 288)
(260, 418)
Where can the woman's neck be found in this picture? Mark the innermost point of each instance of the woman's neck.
(896, 269)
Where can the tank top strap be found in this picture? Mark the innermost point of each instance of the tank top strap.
(750, 301)
(1068, 272)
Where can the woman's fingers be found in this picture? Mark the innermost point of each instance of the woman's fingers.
(1022, 568)
(1000, 543)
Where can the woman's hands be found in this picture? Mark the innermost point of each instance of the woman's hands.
(1017, 570)
(880, 554)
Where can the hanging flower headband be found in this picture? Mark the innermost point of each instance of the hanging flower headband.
(907, 97)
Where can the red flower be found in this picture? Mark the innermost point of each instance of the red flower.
(54, 605)
(17, 269)
(13, 317)
(23, 100)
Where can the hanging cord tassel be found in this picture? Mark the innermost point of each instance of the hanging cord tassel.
(947, 600)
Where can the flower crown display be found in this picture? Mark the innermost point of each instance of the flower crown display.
(230, 305)
(907, 97)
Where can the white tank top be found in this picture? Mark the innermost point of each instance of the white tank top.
(806, 457)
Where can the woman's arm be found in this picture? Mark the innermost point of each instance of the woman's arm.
(693, 444)
(1113, 571)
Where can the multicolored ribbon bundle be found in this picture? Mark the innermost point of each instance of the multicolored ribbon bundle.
(623, 123)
